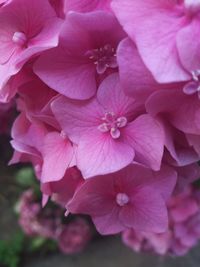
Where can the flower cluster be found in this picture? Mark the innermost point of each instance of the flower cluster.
(183, 232)
(108, 95)
(72, 237)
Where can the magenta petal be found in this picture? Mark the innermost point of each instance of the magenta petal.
(146, 212)
(67, 75)
(163, 181)
(94, 197)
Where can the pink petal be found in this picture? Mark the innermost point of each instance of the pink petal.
(149, 20)
(77, 117)
(94, 197)
(109, 224)
(67, 75)
(147, 212)
(136, 80)
(111, 96)
(57, 155)
(104, 154)
(188, 46)
(146, 136)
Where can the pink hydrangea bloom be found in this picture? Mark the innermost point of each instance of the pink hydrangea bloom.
(183, 233)
(50, 151)
(134, 197)
(75, 236)
(108, 131)
(35, 221)
(86, 53)
(27, 28)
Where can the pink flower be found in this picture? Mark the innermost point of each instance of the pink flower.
(37, 222)
(147, 242)
(86, 54)
(131, 198)
(75, 236)
(108, 132)
(166, 33)
(27, 29)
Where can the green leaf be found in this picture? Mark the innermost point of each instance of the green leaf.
(25, 177)
(11, 250)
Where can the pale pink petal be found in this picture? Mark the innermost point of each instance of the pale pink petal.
(103, 153)
(57, 154)
(153, 25)
(77, 117)
(188, 45)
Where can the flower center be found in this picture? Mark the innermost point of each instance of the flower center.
(63, 134)
(122, 199)
(19, 38)
(103, 58)
(193, 86)
(112, 123)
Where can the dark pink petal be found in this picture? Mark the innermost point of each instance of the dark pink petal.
(94, 197)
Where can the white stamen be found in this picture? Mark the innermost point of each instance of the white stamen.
(19, 38)
(122, 199)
